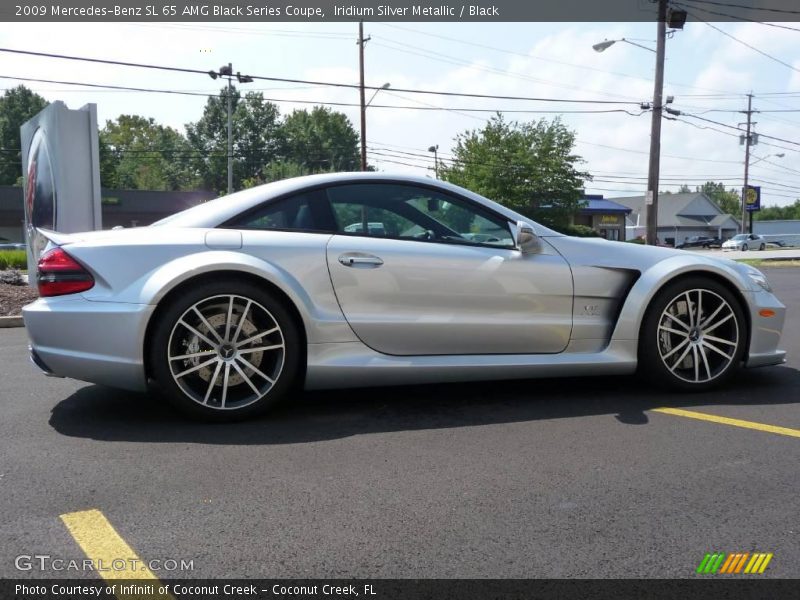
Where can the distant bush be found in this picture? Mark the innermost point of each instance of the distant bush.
(13, 259)
(637, 240)
(578, 231)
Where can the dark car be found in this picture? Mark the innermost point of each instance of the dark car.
(699, 241)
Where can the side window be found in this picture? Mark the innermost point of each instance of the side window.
(293, 213)
(410, 212)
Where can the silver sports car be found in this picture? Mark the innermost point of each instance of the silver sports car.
(367, 279)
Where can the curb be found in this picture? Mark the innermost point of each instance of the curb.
(11, 322)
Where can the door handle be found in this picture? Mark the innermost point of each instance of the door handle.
(355, 260)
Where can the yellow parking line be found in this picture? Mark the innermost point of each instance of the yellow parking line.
(111, 556)
(679, 412)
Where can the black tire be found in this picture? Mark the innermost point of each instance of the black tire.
(656, 342)
(744, 248)
(762, 247)
(245, 369)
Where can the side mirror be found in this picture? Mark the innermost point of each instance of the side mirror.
(525, 238)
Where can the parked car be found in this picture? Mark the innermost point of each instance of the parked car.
(700, 242)
(6, 244)
(744, 242)
(227, 306)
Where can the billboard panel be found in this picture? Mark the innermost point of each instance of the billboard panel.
(61, 174)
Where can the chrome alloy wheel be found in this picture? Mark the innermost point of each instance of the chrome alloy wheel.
(698, 335)
(226, 352)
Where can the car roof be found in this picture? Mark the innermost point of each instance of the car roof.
(217, 211)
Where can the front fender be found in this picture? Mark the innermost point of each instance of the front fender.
(654, 278)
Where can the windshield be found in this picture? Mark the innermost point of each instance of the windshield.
(741, 236)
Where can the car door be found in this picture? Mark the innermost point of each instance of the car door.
(418, 272)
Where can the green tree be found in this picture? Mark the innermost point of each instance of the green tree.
(138, 153)
(17, 105)
(529, 167)
(728, 200)
(770, 213)
(321, 140)
(257, 139)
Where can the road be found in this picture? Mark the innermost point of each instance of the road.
(541, 478)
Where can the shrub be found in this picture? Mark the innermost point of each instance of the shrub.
(638, 240)
(13, 259)
(578, 231)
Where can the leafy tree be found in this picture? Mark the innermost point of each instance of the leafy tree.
(275, 171)
(529, 167)
(257, 138)
(138, 153)
(728, 200)
(769, 213)
(321, 140)
(17, 105)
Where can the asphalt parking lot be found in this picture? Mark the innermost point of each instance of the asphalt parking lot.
(540, 478)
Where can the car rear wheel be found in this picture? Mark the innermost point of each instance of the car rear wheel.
(693, 336)
(225, 351)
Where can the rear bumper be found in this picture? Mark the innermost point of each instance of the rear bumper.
(99, 342)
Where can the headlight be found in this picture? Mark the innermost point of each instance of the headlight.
(758, 277)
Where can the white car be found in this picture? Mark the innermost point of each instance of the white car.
(744, 242)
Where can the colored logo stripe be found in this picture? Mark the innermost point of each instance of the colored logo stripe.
(734, 563)
(711, 562)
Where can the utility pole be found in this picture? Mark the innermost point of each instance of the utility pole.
(227, 71)
(747, 144)
(651, 199)
(230, 130)
(435, 150)
(361, 42)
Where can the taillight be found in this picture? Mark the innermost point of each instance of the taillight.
(61, 274)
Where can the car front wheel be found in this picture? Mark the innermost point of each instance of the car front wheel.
(225, 350)
(693, 336)
(744, 248)
(762, 247)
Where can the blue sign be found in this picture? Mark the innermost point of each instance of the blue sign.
(753, 201)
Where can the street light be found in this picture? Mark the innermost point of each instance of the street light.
(435, 150)
(606, 44)
(227, 71)
(779, 155)
(385, 86)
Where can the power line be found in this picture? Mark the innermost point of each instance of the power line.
(737, 17)
(329, 103)
(321, 83)
(752, 8)
(760, 135)
(533, 56)
(438, 56)
(777, 60)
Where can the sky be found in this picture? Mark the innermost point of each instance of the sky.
(708, 73)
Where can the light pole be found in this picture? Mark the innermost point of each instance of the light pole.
(435, 150)
(676, 19)
(227, 71)
(651, 197)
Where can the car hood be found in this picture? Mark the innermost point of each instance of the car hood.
(601, 252)
(621, 255)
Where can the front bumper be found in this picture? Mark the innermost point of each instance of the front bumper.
(765, 332)
(98, 342)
